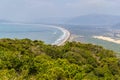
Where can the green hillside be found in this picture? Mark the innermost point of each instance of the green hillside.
(33, 60)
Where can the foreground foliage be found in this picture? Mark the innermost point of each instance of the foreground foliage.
(33, 60)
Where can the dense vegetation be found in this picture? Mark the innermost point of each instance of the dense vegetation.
(33, 60)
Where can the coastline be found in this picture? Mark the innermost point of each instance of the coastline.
(73, 37)
(107, 39)
(61, 40)
(65, 37)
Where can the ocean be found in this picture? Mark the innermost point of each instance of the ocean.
(47, 33)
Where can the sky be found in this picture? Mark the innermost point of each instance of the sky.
(27, 10)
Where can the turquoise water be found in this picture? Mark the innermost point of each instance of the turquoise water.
(45, 33)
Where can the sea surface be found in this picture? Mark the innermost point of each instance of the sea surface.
(47, 33)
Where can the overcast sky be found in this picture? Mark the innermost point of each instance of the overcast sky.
(35, 9)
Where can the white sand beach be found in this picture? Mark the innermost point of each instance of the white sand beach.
(107, 39)
(73, 37)
(63, 38)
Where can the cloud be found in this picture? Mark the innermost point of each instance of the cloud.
(22, 10)
(95, 6)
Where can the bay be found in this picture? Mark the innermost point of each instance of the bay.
(47, 33)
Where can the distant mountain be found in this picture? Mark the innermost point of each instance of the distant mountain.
(116, 26)
(95, 20)
(50, 20)
(4, 21)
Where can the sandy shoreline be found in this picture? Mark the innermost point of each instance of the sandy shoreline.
(63, 38)
(107, 39)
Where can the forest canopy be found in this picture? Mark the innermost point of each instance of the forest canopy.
(24, 59)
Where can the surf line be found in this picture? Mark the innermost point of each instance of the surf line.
(62, 39)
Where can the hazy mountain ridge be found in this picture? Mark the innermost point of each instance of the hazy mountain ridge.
(95, 19)
(117, 26)
(4, 21)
